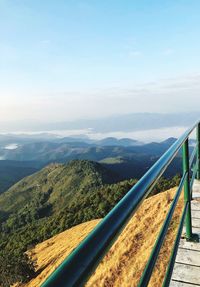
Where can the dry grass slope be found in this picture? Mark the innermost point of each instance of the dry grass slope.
(124, 263)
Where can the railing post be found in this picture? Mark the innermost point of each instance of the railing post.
(187, 194)
(198, 151)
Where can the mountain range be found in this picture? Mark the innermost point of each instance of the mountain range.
(128, 158)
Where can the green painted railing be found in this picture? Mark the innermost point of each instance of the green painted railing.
(81, 263)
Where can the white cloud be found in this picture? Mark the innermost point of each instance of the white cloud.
(169, 95)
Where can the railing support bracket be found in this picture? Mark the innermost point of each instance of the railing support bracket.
(194, 238)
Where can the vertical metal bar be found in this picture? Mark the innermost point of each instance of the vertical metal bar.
(170, 267)
(187, 194)
(198, 151)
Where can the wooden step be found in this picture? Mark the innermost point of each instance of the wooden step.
(186, 271)
(188, 256)
(182, 284)
(186, 274)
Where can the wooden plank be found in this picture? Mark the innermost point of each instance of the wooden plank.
(196, 186)
(196, 230)
(189, 245)
(196, 200)
(186, 273)
(186, 256)
(181, 284)
(195, 205)
(196, 222)
(196, 213)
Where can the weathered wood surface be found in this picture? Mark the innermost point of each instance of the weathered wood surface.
(196, 213)
(195, 205)
(188, 256)
(186, 271)
(189, 245)
(196, 222)
(181, 284)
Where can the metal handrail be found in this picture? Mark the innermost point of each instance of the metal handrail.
(195, 169)
(161, 237)
(193, 155)
(79, 265)
(170, 267)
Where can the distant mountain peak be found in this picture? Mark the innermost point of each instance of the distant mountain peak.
(112, 141)
(170, 140)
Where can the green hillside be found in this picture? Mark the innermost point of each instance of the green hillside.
(50, 201)
(57, 184)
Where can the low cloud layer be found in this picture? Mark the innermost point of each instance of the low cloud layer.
(169, 95)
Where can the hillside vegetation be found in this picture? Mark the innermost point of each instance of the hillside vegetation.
(124, 263)
(52, 200)
(57, 183)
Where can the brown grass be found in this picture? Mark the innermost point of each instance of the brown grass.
(124, 263)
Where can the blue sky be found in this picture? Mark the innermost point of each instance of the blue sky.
(79, 58)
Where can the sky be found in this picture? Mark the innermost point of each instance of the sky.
(71, 59)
